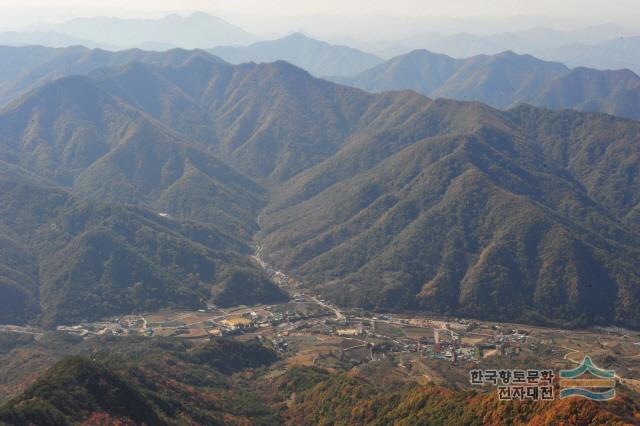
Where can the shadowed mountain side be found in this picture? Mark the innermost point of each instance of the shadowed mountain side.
(89, 260)
(134, 381)
(18, 281)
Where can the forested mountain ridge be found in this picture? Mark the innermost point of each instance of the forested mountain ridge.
(387, 201)
(433, 198)
(84, 138)
(28, 67)
(502, 80)
(505, 80)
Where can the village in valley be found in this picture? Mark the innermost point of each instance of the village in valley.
(311, 331)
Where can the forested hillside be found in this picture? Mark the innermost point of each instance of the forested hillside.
(389, 201)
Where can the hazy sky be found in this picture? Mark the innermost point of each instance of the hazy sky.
(397, 7)
(14, 13)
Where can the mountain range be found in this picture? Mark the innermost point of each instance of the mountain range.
(386, 201)
(45, 38)
(29, 67)
(32, 66)
(467, 211)
(195, 31)
(319, 58)
(505, 80)
(531, 39)
(605, 46)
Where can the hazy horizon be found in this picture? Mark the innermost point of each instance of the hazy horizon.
(279, 16)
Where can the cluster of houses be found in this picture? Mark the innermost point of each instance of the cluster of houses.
(118, 326)
(251, 321)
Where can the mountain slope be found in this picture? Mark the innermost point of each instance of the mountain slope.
(584, 89)
(493, 221)
(419, 70)
(82, 137)
(18, 282)
(499, 80)
(76, 259)
(138, 381)
(317, 57)
(504, 80)
(73, 389)
(346, 400)
(600, 152)
(271, 121)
